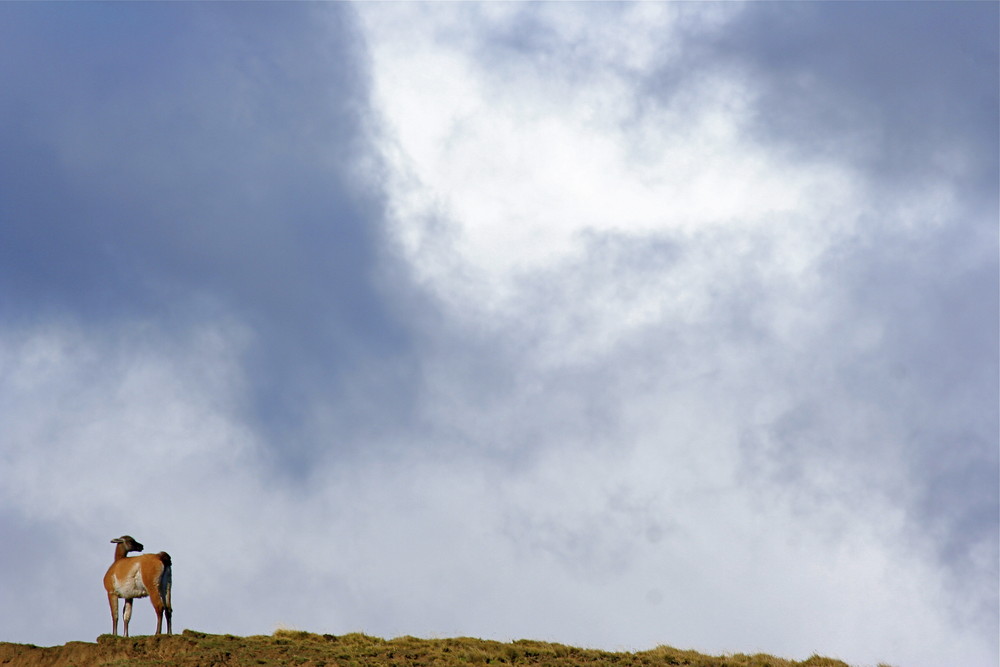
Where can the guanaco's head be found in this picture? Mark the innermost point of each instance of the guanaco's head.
(128, 543)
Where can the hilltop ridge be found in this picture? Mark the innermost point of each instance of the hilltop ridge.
(305, 649)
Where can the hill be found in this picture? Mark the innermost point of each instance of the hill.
(304, 649)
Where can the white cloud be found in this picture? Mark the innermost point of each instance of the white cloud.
(500, 178)
(137, 417)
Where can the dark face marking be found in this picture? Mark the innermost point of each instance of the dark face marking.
(128, 542)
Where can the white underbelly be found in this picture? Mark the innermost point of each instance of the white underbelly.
(131, 586)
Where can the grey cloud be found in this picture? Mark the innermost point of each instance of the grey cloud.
(909, 94)
(161, 165)
(920, 397)
(898, 88)
(939, 366)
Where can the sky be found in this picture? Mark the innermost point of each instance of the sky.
(614, 325)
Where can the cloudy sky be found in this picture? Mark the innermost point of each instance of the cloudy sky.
(615, 325)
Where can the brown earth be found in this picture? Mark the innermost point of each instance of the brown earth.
(303, 649)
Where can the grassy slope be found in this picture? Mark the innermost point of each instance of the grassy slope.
(356, 650)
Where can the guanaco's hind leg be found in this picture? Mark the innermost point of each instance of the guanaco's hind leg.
(168, 606)
(161, 605)
(170, 613)
(160, 599)
(158, 608)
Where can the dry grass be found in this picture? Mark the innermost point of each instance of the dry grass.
(304, 649)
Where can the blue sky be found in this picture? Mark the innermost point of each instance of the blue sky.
(609, 324)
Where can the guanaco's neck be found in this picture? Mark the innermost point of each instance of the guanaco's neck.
(120, 551)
